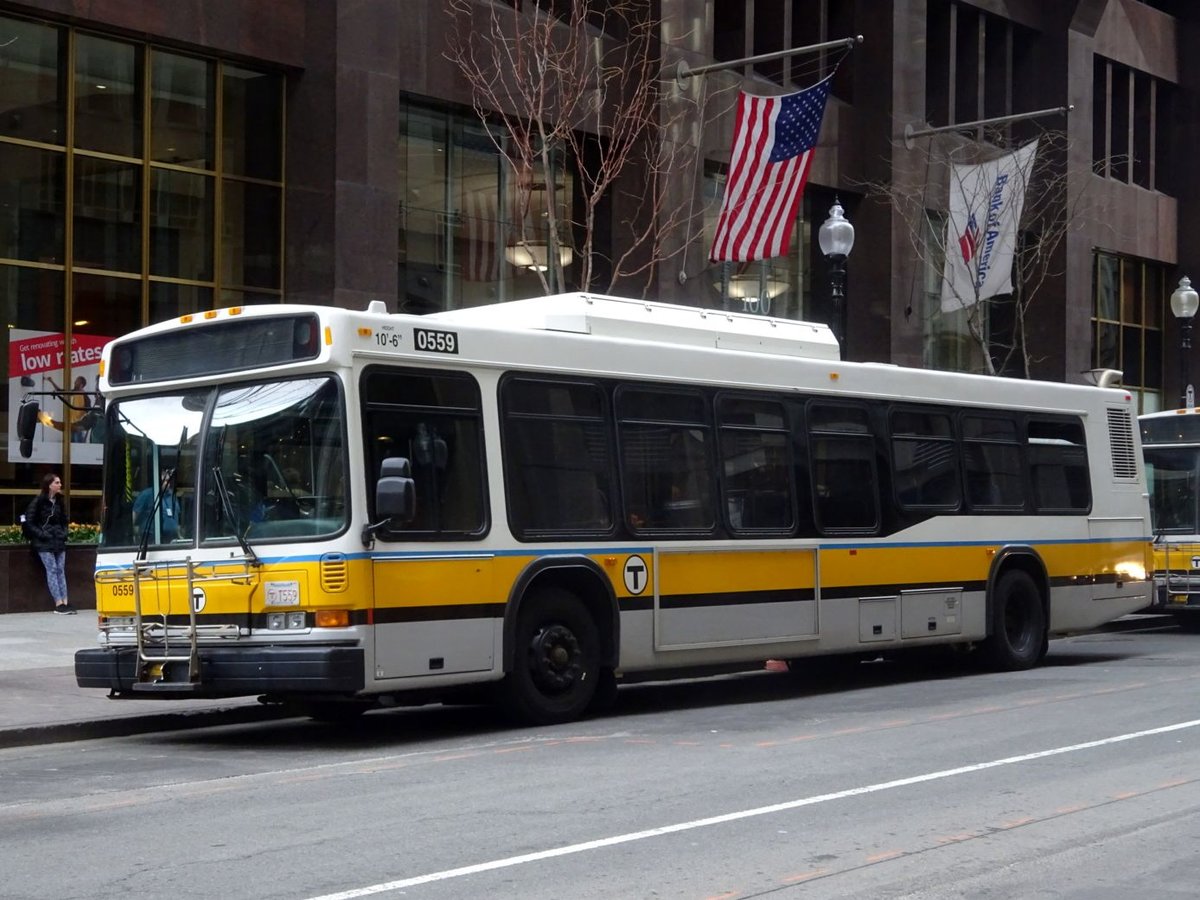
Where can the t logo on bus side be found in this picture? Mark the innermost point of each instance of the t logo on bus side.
(635, 575)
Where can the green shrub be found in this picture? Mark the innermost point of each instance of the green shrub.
(77, 533)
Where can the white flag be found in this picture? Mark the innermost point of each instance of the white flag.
(981, 232)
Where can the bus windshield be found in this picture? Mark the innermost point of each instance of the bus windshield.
(256, 461)
(1171, 474)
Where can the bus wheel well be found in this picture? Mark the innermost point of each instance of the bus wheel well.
(1018, 614)
(592, 592)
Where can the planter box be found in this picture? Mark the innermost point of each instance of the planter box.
(23, 579)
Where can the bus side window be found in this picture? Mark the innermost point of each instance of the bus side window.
(1058, 466)
(557, 460)
(992, 463)
(756, 465)
(666, 459)
(844, 480)
(433, 419)
(925, 461)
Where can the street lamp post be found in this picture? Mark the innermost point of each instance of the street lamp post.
(836, 238)
(1183, 304)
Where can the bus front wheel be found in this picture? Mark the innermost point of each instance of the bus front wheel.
(1018, 638)
(555, 666)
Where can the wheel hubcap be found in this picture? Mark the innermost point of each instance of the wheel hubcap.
(555, 659)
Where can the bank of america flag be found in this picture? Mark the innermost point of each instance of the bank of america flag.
(773, 141)
(985, 207)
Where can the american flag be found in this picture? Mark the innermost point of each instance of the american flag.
(773, 140)
(481, 247)
(969, 239)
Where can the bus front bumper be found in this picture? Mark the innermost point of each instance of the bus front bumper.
(227, 672)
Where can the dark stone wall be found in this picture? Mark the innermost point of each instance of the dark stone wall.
(255, 30)
(23, 580)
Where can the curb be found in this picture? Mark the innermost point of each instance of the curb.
(124, 726)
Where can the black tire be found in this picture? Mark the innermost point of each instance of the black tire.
(1019, 638)
(555, 667)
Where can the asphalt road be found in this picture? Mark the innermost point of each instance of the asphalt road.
(1078, 779)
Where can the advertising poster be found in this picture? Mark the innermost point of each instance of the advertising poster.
(42, 409)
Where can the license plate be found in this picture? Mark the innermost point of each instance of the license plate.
(283, 593)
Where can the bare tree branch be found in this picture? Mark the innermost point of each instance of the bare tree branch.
(1054, 207)
(582, 79)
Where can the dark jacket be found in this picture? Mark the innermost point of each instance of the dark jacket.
(45, 524)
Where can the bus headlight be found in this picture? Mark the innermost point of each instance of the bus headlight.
(288, 621)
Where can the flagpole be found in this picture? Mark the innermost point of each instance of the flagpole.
(910, 134)
(683, 71)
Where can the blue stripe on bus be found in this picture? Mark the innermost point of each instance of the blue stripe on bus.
(623, 550)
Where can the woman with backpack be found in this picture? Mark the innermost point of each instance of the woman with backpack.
(45, 524)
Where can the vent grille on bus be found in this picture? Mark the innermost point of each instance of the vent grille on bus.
(1120, 437)
(335, 574)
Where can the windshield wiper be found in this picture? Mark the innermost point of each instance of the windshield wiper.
(227, 507)
(166, 483)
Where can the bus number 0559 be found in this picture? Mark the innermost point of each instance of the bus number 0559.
(435, 341)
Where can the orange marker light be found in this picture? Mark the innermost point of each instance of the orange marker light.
(332, 618)
(328, 336)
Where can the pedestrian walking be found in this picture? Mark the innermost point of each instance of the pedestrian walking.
(45, 524)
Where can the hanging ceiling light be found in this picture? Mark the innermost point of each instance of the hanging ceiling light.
(535, 255)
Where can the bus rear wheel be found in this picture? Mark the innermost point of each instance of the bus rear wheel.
(555, 666)
(1018, 639)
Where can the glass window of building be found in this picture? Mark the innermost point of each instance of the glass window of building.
(148, 167)
(471, 233)
(1130, 295)
(770, 287)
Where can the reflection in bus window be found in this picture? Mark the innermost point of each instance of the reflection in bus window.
(842, 450)
(557, 461)
(756, 465)
(151, 470)
(666, 461)
(274, 461)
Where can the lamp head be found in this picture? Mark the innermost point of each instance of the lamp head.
(1184, 300)
(836, 235)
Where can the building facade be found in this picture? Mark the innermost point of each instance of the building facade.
(163, 158)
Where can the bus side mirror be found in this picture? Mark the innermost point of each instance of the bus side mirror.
(395, 496)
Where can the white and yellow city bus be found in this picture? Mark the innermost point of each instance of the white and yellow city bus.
(346, 508)
(1171, 445)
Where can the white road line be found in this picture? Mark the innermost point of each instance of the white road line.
(511, 861)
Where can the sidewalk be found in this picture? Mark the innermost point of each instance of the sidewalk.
(40, 702)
